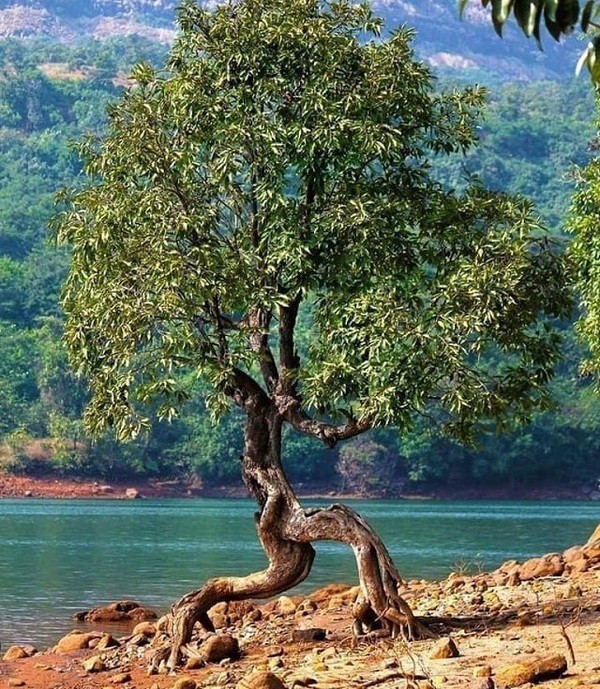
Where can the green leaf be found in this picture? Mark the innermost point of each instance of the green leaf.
(567, 14)
(500, 13)
(586, 15)
(525, 12)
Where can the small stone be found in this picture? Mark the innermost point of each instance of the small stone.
(121, 678)
(16, 683)
(146, 628)
(275, 651)
(286, 605)
(15, 653)
(106, 641)
(94, 664)
(260, 680)
(184, 683)
(219, 646)
(308, 634)
(446, 648)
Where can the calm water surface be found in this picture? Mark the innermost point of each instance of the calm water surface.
(60, 557)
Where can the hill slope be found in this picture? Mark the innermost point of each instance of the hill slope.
(445, 41)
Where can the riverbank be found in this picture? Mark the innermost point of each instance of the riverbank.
(53, 487)
(522, 623)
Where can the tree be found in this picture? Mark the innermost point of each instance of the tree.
(278, 164)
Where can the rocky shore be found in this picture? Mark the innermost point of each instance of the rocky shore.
(525, 623)
(53, 487)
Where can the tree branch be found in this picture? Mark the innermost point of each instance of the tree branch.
(290, 409)
(258, 322)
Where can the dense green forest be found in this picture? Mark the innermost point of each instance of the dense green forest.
(51, 94)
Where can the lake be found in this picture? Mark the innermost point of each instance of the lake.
(60, 557)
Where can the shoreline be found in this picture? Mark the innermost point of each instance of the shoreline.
(63, 488)
(494, 629)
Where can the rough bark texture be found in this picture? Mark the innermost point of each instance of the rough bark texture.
(286, 531)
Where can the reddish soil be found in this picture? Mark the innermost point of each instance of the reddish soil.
(51, 486)
(21, 486)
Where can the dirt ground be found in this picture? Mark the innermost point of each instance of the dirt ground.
(495, 620)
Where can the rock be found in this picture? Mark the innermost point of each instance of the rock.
(445, 648)
(308, 634)
(94, 664)
(255, 615)
(531, 670)
(513, 579)
(75, 641)
(120, 611)
(218, 647)
(145, 628)
(121, 678)
(550, 565)
(325, 594)
(220, 621)
(286, 605)
(15, 653)
(16, 683)
(185, 683)
(260, 680)
(132, 494)
(106, 641)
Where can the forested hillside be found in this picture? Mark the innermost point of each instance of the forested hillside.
(442, 39)
(52, 92)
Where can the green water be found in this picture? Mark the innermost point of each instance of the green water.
(60, 557)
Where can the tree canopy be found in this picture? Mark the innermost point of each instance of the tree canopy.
(279, 157)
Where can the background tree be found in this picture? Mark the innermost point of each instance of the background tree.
(279, 162)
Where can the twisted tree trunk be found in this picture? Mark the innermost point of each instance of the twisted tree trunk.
(286, 531)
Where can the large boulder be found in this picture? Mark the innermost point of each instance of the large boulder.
(120, 611)
(531, 671)
(551, 565)
(218, 647)
(75, 641)
(18, 652)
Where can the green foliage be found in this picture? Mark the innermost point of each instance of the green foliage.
(279, 154)
(34, 378)
(584, 252)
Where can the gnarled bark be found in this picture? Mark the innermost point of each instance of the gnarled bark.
(286, 531)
